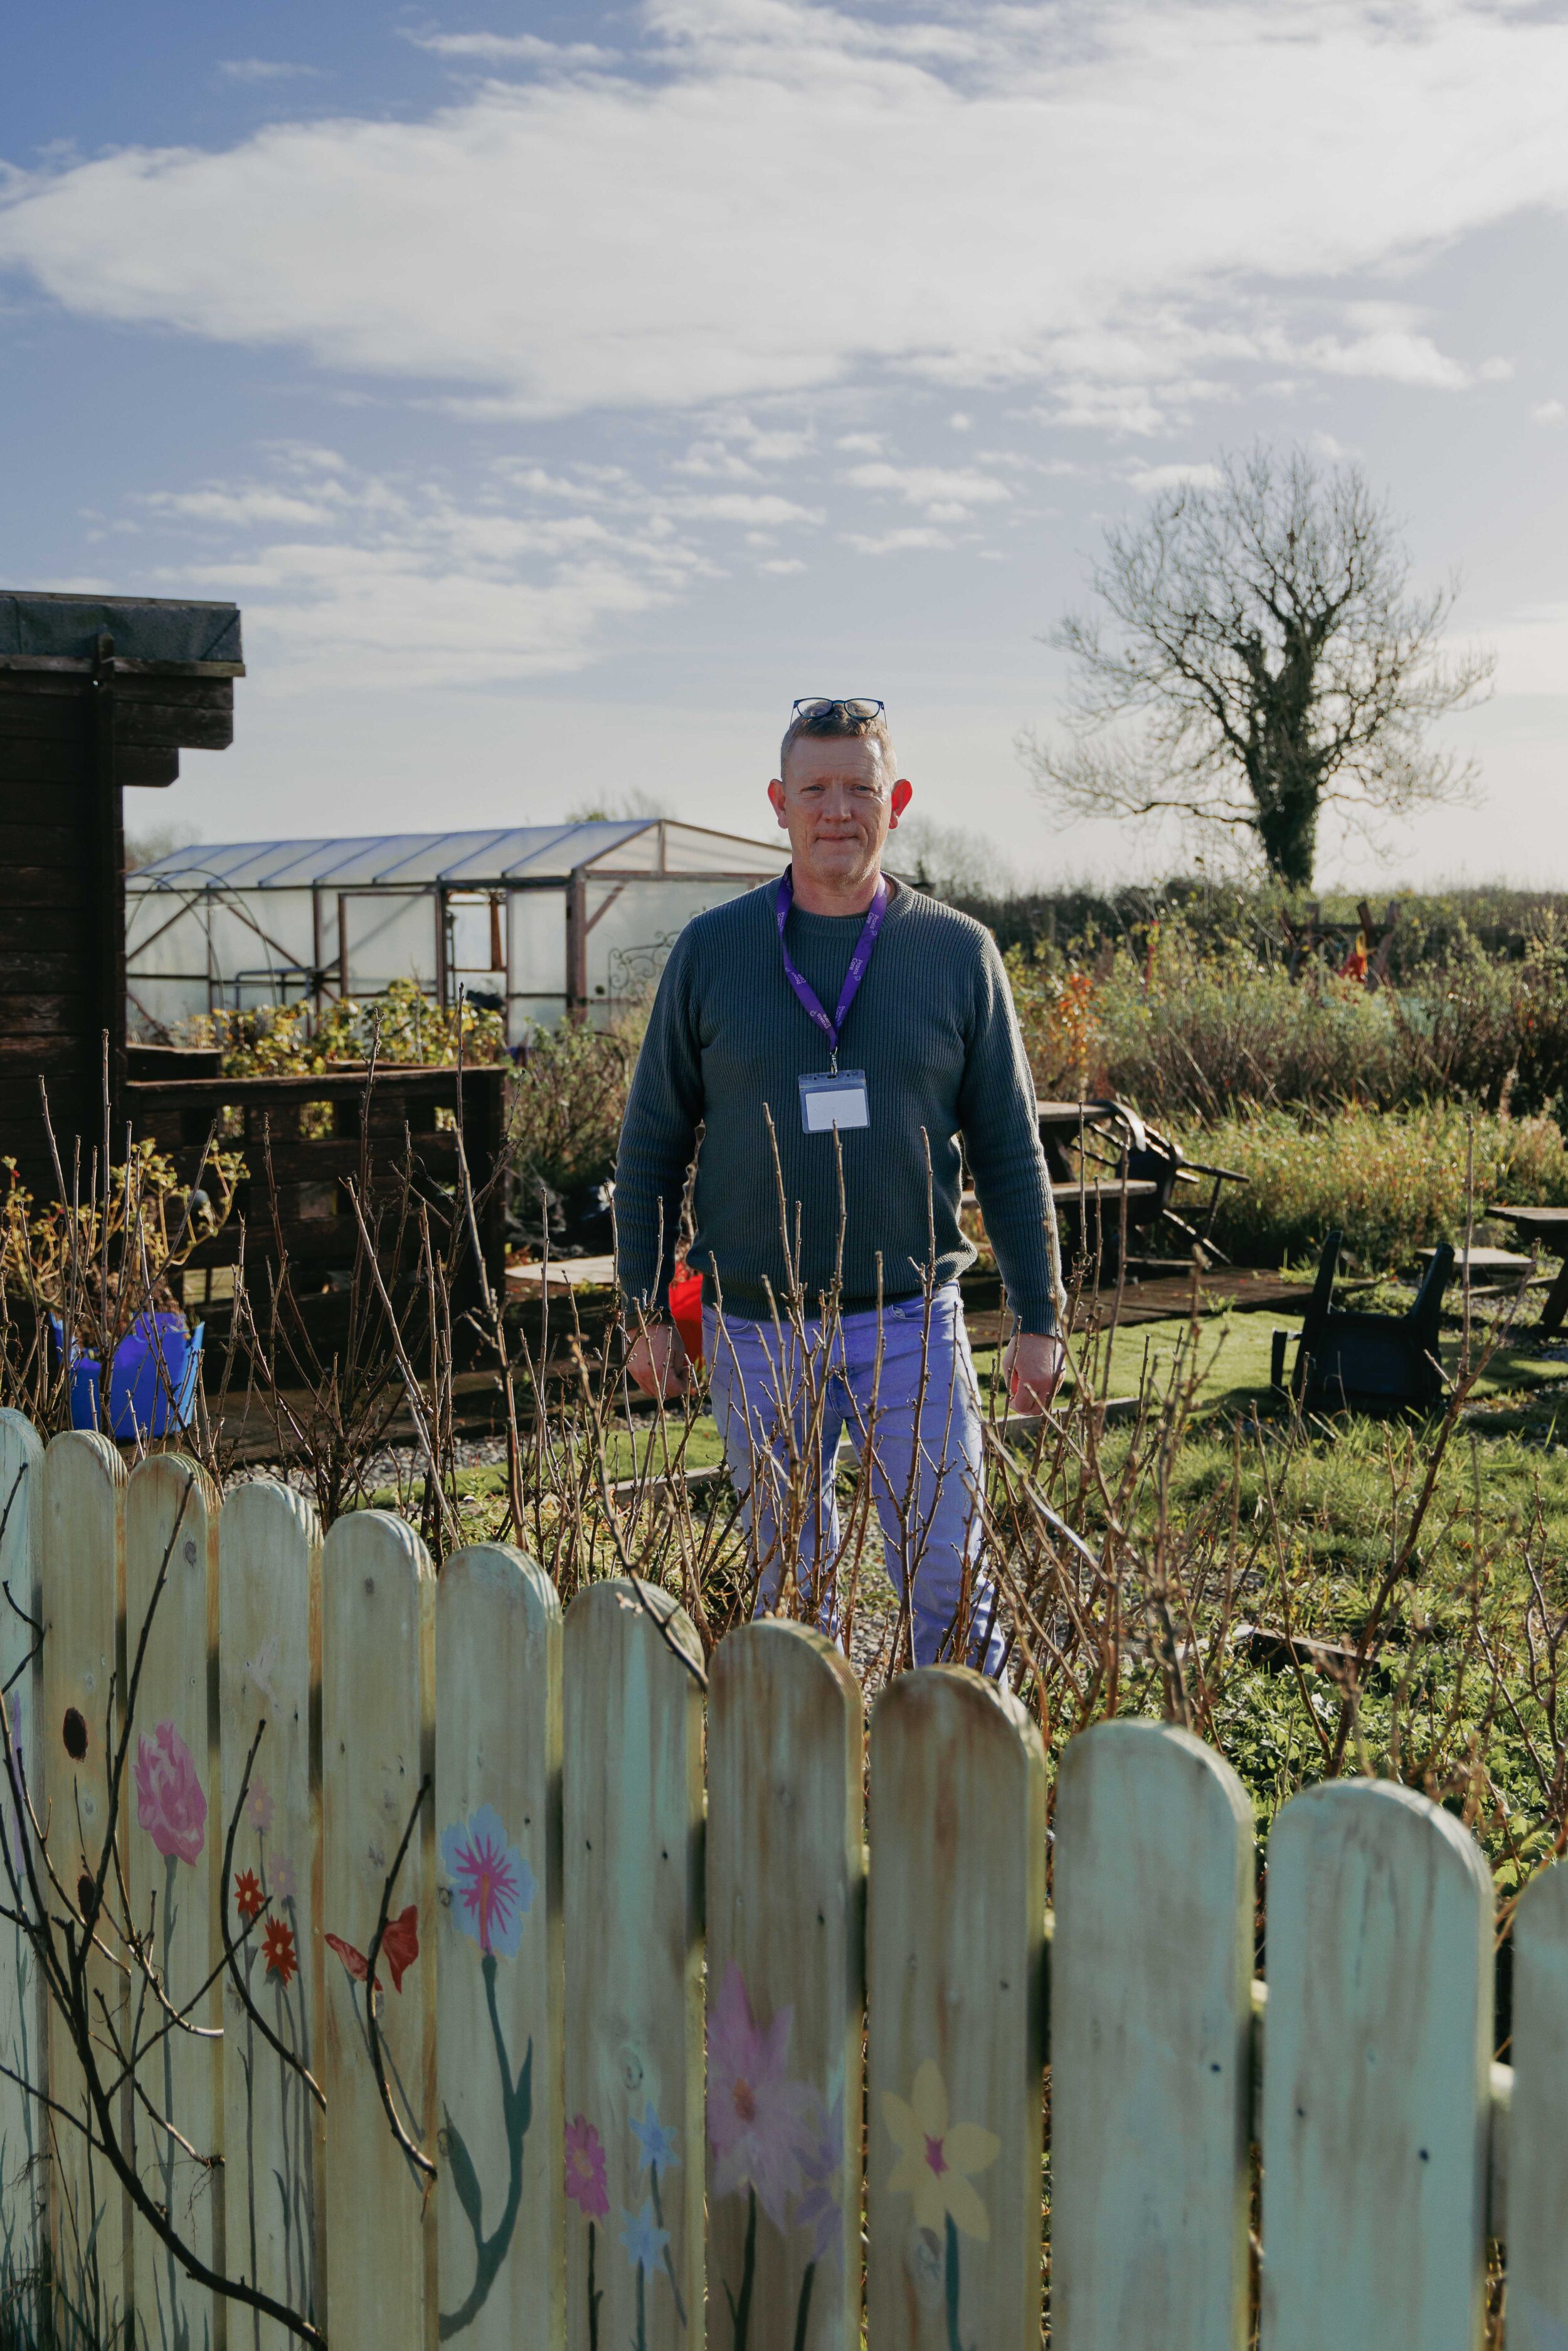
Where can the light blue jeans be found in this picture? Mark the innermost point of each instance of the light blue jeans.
(927, 1458)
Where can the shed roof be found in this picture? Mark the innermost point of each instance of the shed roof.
(533, 852)
(36, 625)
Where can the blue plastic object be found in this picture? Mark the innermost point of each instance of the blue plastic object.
(152, 1379)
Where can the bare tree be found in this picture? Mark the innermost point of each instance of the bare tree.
(1259, 655)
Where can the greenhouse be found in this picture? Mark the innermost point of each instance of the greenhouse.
(543, 920)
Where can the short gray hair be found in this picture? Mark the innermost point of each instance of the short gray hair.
(837, 719)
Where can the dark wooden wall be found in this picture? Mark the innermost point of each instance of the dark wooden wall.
(74, 733)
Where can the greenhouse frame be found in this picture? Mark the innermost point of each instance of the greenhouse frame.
(546, 922)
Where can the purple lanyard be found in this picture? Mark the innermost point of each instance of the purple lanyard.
(783, 899)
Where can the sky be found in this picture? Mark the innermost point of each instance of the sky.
(560, 393)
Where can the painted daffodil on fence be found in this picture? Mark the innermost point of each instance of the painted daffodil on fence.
(937, 2159)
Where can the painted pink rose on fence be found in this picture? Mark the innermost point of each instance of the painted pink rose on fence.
(170, 1805)
(756, 2115)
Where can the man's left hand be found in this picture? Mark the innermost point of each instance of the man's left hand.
(1032, 1367)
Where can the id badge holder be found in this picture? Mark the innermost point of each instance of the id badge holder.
(835, 1097)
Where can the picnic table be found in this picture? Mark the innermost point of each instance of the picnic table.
(1548, 1227)
(1127, 1179)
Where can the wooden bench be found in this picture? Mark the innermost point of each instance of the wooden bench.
(1548, 1227)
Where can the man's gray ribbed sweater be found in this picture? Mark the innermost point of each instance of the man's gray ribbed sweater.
(933, 1027)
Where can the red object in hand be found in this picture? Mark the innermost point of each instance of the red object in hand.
(686, 1313)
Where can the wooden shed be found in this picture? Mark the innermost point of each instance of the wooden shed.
(97, 693)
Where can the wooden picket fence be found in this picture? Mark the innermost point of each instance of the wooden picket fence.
(665, 2028)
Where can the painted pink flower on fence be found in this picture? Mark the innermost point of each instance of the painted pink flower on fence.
(492, 1884)
(258, 1806)
(756, 2115)
(585, 2182)
(170, 1805)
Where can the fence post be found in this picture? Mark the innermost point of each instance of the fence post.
(83, 1584)
(377, 1641)
(1151, 1976)
(1376, 2075)
(1537, 2139)
(632, 1810)
(24, 2215)
(955, 1964)
(499, 2031)
(174, 1836)
(786, 1984)
(269, 1670)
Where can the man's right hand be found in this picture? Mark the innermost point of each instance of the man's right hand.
(657, 1362)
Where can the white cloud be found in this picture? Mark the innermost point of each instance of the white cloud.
(266, 69)
(1548, 412)
(736, 505)
(239, 507)
(1051, 195)
(1149, 478)
(946, 492)
(783, 564)
(370, 579)
(895, 542)
(511, 48)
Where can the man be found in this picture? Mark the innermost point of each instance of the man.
(838, 1018)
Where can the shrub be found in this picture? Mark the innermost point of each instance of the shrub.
(569, 1100)
(405, 1026)
(1189, 1024)
(1392, 1185)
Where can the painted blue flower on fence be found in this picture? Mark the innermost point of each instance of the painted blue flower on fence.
(492, 1884)
(644, 2239)
(659, 2149)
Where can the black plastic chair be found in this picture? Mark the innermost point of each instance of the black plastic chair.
(1351, 1361)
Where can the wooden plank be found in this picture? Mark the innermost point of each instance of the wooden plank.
(51, 833)
(1537, 2143)
(83, 1582)
(785, 1881)
(34, 886)
(1150, 1984)
(184, 689)
(326, 1159)
(499, 2023)
(52, 969)
(632, 1803)
(25, 928)
(30, 761)
(39, 1016)
(23, 2172)
(377, 1641)
(47, 1053)
(955, 1986)
(153, 767)
(1376, 2077)
(40, 717)
(269, 1670)
(166, 724)
(174, 1854)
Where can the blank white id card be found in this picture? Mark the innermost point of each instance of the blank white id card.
(835, 1097)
